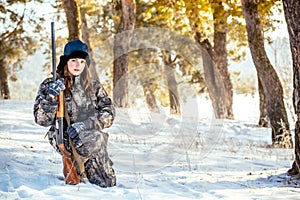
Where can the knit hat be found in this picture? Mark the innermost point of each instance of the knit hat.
(74, 49)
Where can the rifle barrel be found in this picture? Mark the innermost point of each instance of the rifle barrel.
(53, 51)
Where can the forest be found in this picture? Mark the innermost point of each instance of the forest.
(163, 52)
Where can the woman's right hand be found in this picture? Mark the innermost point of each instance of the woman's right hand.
(56, 87)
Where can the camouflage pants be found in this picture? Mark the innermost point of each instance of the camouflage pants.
(92, 146)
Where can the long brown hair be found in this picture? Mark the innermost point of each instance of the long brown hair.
(85, 80)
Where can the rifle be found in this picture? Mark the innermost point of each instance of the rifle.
(69, 170)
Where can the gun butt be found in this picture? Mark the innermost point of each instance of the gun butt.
(70, 173)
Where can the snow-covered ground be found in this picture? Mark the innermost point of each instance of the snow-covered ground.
(155, 157)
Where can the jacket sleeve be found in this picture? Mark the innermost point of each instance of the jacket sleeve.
(44, 106)
(104, 106)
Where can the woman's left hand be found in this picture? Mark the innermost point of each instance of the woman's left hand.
(74, 129)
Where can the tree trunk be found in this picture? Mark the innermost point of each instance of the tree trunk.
(86, 39)
(272, 88)
(145, 76)
(169, 73)
(215, 86)
(150, 98)
(264, 120)
(121, 49)
(220, 54)
(73, 19)
(214, 78)
(4, 89)
(292, 17)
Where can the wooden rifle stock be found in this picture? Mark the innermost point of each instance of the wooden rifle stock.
(69, 170)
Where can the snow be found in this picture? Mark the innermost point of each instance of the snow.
(155, 157)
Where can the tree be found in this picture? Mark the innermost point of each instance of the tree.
(292, 17)
(220, 16)
(121, 49)
(17, 40)
(86, 36)
(264, 120)
(145, 64)
(214, 82)
(162, 14)
(169, 61)
(72, 11)
(270, 83)
(265, 11)
(216, 76)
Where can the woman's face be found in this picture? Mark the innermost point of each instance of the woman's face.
(76, 66)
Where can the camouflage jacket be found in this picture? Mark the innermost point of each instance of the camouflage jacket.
(78, 104)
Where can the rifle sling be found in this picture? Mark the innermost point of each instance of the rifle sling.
(77, 158)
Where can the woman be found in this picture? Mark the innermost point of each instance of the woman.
(88, 110)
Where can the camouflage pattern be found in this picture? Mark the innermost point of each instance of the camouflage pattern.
(91, 144)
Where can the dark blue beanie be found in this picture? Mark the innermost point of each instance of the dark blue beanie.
(73, 49)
